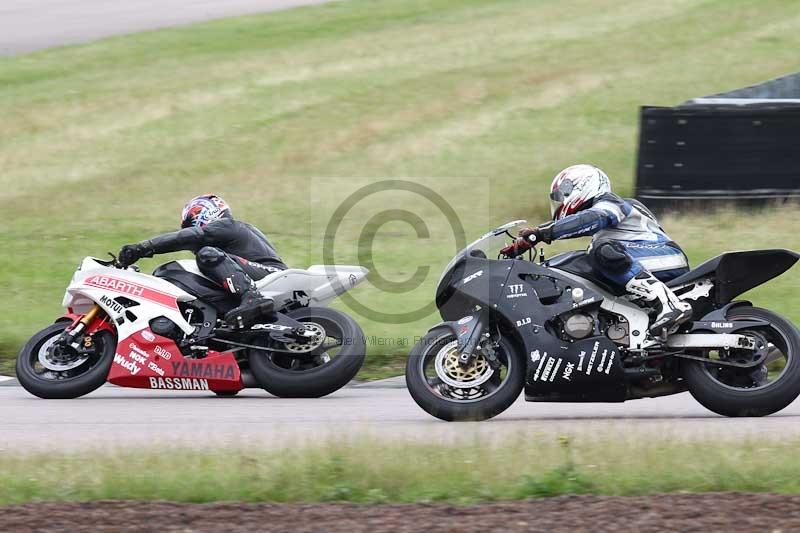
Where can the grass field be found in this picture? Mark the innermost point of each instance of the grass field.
(377, 472)
(285, 114)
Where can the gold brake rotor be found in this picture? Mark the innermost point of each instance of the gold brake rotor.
(460, 373)
(451, 372)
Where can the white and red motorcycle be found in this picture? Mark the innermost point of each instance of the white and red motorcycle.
(163, 331)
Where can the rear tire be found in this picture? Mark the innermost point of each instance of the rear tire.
(324, 379)
(70, 387)
(455, 410)
(739, 402)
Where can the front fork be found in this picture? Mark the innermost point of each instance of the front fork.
(71, 335)
(468, 346)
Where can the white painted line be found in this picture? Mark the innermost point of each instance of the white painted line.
(5, 378)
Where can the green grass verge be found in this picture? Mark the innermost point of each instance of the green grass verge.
(377, 472)
(100, 144)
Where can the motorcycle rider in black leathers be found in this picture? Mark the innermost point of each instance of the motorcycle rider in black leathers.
(228, 251)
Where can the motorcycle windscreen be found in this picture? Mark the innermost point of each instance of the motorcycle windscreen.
(738, 272)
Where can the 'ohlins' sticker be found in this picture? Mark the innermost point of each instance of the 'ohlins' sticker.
(178, 383)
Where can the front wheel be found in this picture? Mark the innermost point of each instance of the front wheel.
(48, 369)
(759, 390)
(315, 369)
(449, 391)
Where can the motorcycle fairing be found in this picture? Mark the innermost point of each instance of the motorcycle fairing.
(463, 329)
(559, 370)
(148, 361)
(737, 272)
(98, 284)
(589, 370)
(528, 296)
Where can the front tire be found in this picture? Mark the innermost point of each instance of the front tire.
(729, 393)
(316, 373)
(427, 390)
(75, 379)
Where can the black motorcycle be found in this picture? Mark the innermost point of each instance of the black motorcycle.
(556, 330)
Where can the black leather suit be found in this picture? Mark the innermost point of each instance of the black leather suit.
(228, 251)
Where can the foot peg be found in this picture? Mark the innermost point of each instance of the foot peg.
(245, 316)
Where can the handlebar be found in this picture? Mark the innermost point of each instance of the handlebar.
(116, 263)
(513, 252)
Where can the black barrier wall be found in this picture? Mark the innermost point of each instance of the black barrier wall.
(696, 153)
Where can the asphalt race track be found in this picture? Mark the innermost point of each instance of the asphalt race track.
(28, 25)
(113, 416)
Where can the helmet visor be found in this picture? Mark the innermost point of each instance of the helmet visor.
(558, 196)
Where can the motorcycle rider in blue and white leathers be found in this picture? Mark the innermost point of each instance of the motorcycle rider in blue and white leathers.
(629, 248)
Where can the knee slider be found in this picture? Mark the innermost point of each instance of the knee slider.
(208, 255)
(611, 255)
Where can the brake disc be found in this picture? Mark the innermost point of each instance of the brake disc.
(314, 342)
(47, 361)
(451, 372)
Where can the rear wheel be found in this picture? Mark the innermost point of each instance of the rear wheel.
(50, 369)
(449, 391)
(317, 368)
(761, 389)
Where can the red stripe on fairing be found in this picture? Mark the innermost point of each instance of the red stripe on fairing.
(122, 286)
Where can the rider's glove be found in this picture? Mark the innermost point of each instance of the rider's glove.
(519, 247)
(130, 253)
(543, 233)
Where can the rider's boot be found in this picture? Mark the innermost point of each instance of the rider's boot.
(253, 305)
(671, 310)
